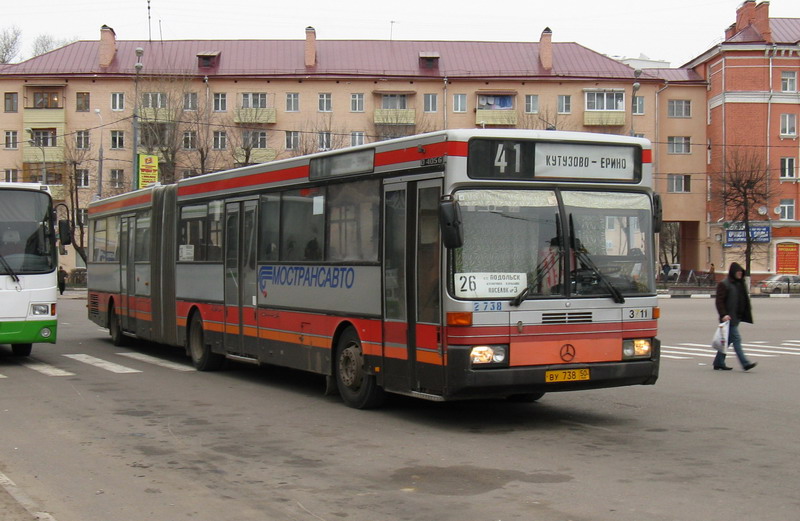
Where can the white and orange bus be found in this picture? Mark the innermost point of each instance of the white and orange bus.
(449, 265)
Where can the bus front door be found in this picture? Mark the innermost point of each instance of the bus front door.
(412, 348)
(241, 330)
(127, 243)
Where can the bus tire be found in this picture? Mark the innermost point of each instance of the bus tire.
(357, 388)
(203, 358)
(115, 328)
(21, 349)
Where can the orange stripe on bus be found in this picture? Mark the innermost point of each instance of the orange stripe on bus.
(598, 348)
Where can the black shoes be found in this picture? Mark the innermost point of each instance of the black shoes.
(750, 366)
(724, 368)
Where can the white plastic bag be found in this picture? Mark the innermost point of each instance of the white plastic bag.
(720, 340)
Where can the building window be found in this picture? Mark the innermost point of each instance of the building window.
(292, 102)
(45, 100)
(531, 104)
(678, 183)
(82, 139)
(82, 102)
(117, 177)
(220, 102)
(605, 101)
(12, 102)
(357, 102)
(324, 140)
(12, 175)
(638, 105)
(787, 210)
(679, 108)
(564, 104)
(189, 172)
(788, 81)
(459, 102)
(154, 100)
(82, 178)
(292, 140)
(787, 168)
(44, 137)
(788, 124)
(11, 139)
(678, 145)
(189, 101)
(254, 139)
(431, 103)
(190, 140)
(82, 216)
(254, 100)
(117, 139)
(393, 101)
(356, 138)
(117, 101)
(220, 140)
(325, 102)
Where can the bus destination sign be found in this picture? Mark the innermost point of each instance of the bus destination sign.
(513, 159)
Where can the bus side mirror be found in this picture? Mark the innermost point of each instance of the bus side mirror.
(657, 213)
(450, 222)
(64, 232)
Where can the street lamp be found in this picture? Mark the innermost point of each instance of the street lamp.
(135, 120)
(37, 143)
(636, 86)
(99, 194)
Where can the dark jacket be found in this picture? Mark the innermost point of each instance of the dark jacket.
(732, 298)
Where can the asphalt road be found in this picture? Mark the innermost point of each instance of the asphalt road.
(82, 440)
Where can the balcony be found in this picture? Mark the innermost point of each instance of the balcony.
(33, 154)
(257, 116)
(604, 118)
(395, 116)
(257, 155)
(43, 117)
(495, 117)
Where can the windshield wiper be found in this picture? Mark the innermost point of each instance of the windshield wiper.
(544, 267)
(8, 269)
(582, 256)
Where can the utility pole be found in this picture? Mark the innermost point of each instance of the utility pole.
(135, 120)
(99, 194)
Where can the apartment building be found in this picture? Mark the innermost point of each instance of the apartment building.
(753, 108)
(77, 116)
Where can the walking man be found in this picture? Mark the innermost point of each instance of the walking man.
(62, 279)
(733, 304)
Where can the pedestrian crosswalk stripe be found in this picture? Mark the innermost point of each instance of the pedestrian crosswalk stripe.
(3, 376)
(45, 369)
(157, 361)
(749, 352)
(102, 364)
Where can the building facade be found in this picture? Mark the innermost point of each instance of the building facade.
(77, 117)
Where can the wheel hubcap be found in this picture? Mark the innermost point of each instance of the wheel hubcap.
(350, 366)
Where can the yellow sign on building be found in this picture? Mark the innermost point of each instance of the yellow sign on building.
(148, 170)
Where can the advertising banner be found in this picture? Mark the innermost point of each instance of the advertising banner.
(148, 170)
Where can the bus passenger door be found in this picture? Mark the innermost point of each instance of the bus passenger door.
(127, 283)
(240, 278)
(411, 288)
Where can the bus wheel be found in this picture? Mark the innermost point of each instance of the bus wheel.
(114, 327)
(525, 398)
(202, 356)
(357, 388)
(21, 349)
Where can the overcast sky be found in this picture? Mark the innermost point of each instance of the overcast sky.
(671, 30)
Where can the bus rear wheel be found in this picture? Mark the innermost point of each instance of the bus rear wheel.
(115, 328)
(358, 389)
(202, 356)
(21, 349)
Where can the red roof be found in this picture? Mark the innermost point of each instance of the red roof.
(254, 58)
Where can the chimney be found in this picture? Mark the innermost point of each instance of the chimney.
(311, 47)
(761, 21)
(745, 14)
(546, 49)
(108, 46)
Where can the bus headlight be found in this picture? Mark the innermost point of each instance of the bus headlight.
(40, 310)
(637, 348)
(488, 356)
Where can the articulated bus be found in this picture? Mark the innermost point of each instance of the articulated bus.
(457, 264)
(28, 263)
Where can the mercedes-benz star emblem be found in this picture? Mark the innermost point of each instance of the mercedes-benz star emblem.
(568, 352)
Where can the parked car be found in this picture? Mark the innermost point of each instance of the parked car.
(674, 272)
(780, 284)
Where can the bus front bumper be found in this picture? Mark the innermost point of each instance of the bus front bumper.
(28, 332)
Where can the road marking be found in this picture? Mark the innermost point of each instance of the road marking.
(102, 364)
(157, 361)
(3, 376)
(676, 357)
(730, 350)
(45, 369)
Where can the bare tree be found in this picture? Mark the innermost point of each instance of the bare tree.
(741, 189)
(547, 118)
(10, 42)
(76, 158)
(46, 43)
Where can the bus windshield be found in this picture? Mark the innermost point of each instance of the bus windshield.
(26, 240)
(516, 245)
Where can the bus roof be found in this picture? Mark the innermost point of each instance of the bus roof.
(25, 186)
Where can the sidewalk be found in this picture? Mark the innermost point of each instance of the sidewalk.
(11, 508)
